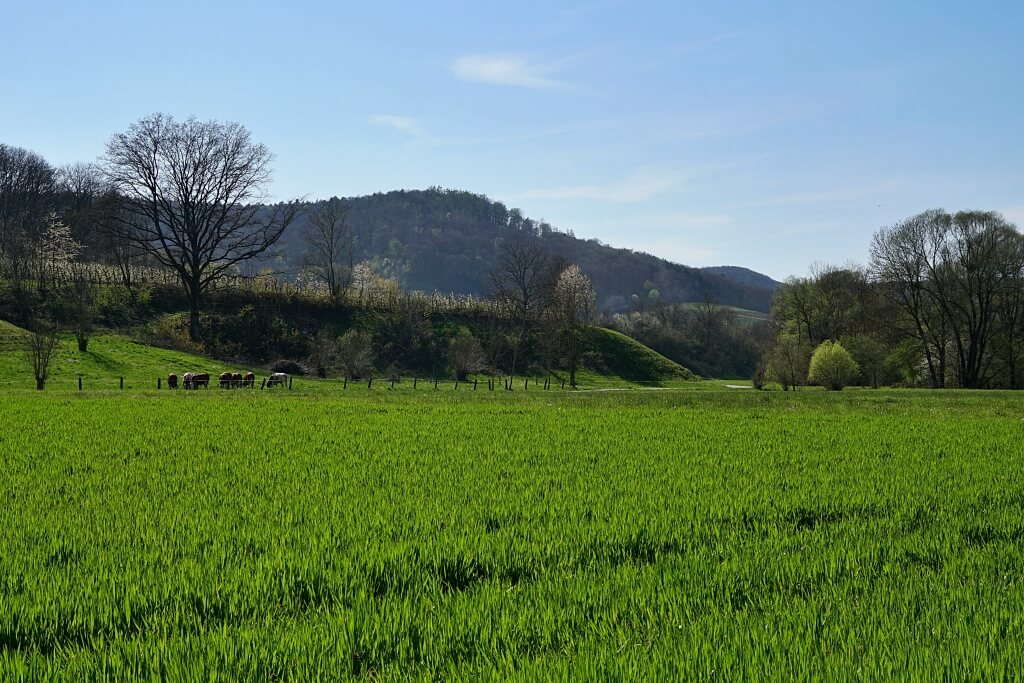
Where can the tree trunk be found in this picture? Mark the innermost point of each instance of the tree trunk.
(572, 374)
(40, 383)
(83, 343)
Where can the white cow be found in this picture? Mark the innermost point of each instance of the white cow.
(277, 378)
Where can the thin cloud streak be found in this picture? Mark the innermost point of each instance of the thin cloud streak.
(404, 124)
(635, 188)
(508, 70)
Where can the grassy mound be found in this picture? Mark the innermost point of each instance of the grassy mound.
(625, 357)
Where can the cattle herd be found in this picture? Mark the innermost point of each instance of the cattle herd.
(226, 380)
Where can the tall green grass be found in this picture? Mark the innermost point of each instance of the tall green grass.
(511, 536)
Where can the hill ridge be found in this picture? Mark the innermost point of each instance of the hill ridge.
(448, 240)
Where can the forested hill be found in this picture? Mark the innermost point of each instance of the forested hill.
(448, 240)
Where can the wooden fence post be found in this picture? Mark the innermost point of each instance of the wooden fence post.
(79, 382)
(263, 383)
(474, 384)
(346, 382)
(414, 380)
(122, 384)
(158, 383)
(370, 383)
(289, 383)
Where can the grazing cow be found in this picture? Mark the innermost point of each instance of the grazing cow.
(236, 379)
(200, 379)
(172, 381)
(187, 380)
(249, 380)
(224, 380)
(277, 378)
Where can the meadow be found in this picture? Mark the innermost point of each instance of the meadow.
(674, 534)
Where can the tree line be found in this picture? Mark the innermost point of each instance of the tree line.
(187, 198)
(940, 304)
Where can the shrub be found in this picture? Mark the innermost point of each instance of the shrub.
(757, 379)
(355, 353)
(465, 354)
(832, 366)
(291, 367)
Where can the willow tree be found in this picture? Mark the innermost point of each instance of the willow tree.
(192, 194)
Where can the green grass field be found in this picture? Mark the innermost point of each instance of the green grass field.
(644, 535)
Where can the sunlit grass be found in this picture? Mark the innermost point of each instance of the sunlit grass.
(639, 535)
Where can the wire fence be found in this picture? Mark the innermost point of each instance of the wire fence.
(214, 383)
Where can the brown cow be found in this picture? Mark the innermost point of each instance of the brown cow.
(236, 379)
(172, 381)
(249, 380)
(224, 380)
(200, 379)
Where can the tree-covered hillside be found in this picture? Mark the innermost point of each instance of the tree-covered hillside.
(448, 240)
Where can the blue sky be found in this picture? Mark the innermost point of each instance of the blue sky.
(767, 135)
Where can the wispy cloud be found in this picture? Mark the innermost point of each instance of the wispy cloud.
(637, 187)
(846, 193)
(505, 70)
(404, 124)
(694, 221)
(690, 47)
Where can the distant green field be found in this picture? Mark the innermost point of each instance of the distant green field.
(638, 535)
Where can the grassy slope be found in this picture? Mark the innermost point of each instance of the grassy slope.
(626, 363)
(630, 360)
(109, 357)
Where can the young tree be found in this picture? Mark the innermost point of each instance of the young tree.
(55, 252)
(196, 188)
(788, 359)
(78, 304)
(832, 366)
(38, 348)
(574, 308)
(330, 245)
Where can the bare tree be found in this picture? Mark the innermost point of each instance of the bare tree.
(903, 261)
(947, 274)
(39, 347)
(518, 285)
(196, 188)
(330, 246)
